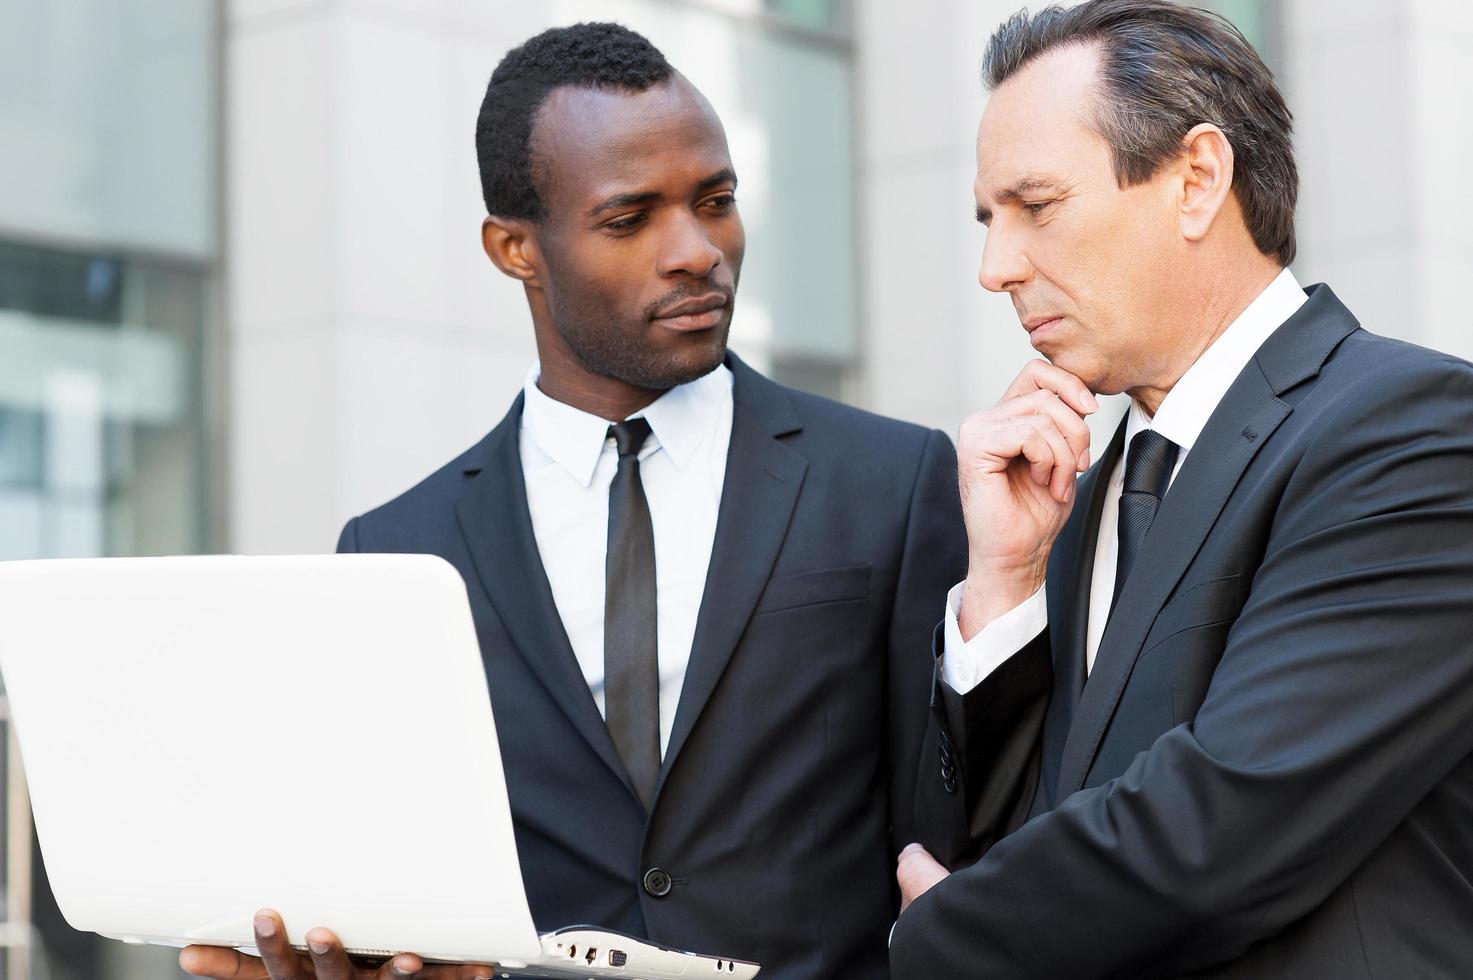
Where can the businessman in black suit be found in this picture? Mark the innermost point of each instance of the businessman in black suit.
(1208, 712)
(702, 598)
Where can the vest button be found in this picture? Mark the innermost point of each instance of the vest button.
(656, 883)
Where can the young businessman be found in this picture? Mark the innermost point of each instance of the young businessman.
(702, 598)
(1210, 710)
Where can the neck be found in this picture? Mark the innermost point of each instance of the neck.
(1216, 300)
(565, 379)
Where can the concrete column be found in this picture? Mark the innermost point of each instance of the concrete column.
(370, 339)
(1384, 121)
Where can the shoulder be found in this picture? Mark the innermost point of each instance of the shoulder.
(1370, 354)
(1387, 427)
(422, 515)
(1373, 375)
(823, 423)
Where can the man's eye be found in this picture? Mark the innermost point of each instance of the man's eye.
(722, 202)
(628, 223)
(1036, 207)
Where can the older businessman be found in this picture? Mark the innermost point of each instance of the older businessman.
(1209, 709)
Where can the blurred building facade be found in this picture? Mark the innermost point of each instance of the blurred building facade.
(242, 295)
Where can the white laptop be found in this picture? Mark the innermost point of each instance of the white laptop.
(207, 736)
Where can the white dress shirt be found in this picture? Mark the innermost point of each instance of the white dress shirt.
(1182, 415)
(569, 461)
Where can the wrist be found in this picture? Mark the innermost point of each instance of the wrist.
(990, 593)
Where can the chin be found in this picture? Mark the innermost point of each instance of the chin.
(1093, 376)
(690, 356)
(648, 361)
(688, 365)
(664, 366)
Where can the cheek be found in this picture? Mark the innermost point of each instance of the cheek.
(733, 245)
(593, 282)
(1112, 266)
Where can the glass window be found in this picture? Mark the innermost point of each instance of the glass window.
(106, 115)
(818, 14)
(100, 423)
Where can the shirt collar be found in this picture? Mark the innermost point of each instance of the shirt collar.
(680, 420)
(1184, 412)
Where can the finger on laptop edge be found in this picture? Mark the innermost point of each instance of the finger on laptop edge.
(329, 960)
(282, 962)
(221, 963)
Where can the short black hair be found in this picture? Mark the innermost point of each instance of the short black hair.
(1165, 68)
(589, 55)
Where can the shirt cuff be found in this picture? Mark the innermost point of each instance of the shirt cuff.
(966, 663)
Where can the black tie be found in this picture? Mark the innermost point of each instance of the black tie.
(631, 664)
(1147, 475)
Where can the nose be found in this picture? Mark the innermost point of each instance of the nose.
(688, 250)
(1004, 266)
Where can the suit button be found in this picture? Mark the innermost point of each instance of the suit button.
(657, 883)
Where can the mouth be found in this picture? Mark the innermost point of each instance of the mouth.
(700, 313)
(1039, 328)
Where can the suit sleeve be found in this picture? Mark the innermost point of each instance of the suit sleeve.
(933, 558)
(980, 760)
(1343, 697)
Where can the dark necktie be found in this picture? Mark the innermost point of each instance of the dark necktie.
(1147, 474)
(631, 665)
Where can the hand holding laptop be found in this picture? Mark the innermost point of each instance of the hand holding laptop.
(279, 961)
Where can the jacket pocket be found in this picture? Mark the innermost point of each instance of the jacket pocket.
(1214, 601)
(813, 588)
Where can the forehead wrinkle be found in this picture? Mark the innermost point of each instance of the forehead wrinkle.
(1018, 181)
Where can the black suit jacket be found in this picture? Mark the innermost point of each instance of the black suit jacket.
(788, 782)
(1270, 770)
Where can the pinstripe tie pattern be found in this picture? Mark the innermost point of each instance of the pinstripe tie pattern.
(1147, 474)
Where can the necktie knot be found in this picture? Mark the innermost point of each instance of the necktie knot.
(629, 435)
(1147, 475)
(1148, 466)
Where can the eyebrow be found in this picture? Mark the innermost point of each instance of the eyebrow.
(1023, 188)
(724, 176)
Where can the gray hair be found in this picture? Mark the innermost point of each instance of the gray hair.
(1164, 69)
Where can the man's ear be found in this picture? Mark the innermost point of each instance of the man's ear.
(1206, 173)
(511, 243)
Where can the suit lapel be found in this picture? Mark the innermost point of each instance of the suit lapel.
(1069, 580)
(1241, 424)
(763, 478)
(497, 525)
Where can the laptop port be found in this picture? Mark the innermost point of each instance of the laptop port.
(617, 957)
(591, 955)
